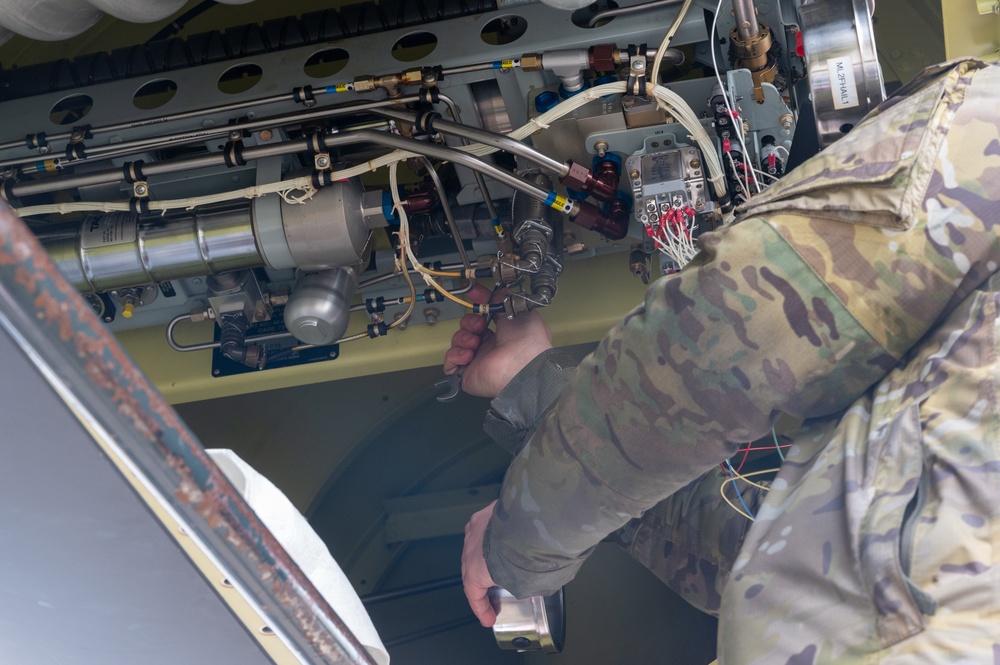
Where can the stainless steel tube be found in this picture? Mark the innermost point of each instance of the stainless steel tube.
(289, 147)
(747, 26)
(194, 136)
(498, 141)
(446, 206)
(609, 14)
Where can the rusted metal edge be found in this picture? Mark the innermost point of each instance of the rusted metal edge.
(68, 337)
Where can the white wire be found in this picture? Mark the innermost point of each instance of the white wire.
(736, 172)
(660, 52)
(734, 118)
(283, 188)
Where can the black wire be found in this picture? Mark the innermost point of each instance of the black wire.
(178, 23)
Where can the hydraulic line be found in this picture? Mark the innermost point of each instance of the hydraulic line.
(271, 337)
(182, 138)
(498, 141)
(301, 145)
(446, 206)
(480, 182)
(611, 13)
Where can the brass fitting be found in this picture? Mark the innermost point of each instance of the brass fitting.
(364, 84)
(531, 62)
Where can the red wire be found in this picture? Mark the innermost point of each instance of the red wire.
(748, 449)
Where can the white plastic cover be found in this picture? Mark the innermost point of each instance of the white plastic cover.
(306, 548)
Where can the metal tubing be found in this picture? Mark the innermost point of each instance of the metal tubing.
(747, 26)
(446, 206)
(480, 182)
(466, 69)
(439, 152)
(182, 138)
(197, 113)
(289, 147)
(498, 141)
(357, 307)
(633, 9)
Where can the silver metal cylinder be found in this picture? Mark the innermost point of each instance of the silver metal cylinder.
(319, 307)
(330, 230)
(536, 623)
(845, 78)
(116, 250)
(747, 26)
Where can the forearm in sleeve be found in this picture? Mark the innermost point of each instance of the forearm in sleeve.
(705, 364)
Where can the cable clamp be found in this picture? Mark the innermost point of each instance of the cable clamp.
(80, 134)
(426, 120)
(233, 154)
(132, 171)
(316, 143)
(377, 329)
(75, 151)
(320, 179)
(636, 83)
(322, 162)
(304, 95)
(37, 142)
(430, 95)
(139, 206)
(7, 193)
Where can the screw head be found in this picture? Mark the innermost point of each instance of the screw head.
(265, 135)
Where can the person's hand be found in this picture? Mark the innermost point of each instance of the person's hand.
(476, 579)
(488, 360)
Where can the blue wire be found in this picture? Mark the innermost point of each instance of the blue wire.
(739, 495)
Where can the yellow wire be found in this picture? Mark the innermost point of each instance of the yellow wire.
(443, 273)
(722, 491)
(404, 240)
(744, 477)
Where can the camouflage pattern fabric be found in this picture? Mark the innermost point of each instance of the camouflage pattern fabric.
(859, 293)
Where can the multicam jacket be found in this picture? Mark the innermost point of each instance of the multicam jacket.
(859, 293)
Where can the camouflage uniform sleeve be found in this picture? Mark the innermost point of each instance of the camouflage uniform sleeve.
(516, 411)
(831, 278)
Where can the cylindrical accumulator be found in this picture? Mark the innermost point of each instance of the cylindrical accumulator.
(318, 309)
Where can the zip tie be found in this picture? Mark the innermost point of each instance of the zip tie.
(540, 125)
